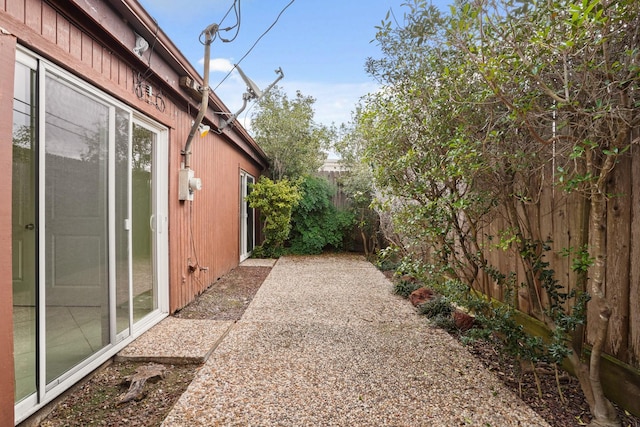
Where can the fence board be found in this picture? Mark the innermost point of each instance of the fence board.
(547, 215)
(617, 275)
(560, 233)
(634, 273)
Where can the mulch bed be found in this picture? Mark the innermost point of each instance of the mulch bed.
(96, 401)
(574, 411)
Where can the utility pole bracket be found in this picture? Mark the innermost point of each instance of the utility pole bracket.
(253, 92)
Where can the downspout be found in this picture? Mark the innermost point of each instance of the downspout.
(208, 34)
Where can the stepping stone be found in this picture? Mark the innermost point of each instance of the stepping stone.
(177, 341)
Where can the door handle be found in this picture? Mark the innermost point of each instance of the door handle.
(30, 227)
(155, 223)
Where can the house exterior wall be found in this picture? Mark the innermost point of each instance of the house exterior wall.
(93, 40)
(7, 65)
(212, 219)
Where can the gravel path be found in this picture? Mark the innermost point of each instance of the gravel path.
(326, 343)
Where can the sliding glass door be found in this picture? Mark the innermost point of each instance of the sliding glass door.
(89, 227)
(145, 296)
(76, 246)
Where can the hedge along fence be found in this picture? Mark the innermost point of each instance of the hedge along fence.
(558, 218)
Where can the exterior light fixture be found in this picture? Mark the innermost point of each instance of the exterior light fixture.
(203, 130)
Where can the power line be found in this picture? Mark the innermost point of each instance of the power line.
(236, 7)
(255, 43)
(267, 30)
(149, 71)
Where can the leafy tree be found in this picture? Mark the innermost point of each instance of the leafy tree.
(583, 100)
(286, 131)
(475, 106)
(358, 185)
(275, 200)
(421, 132)
(316, 222)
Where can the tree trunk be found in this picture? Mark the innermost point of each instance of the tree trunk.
(581, 371)
(602, 409)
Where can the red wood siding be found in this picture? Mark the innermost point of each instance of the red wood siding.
(208, 226)
(7, 67)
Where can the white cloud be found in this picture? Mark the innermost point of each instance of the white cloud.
(334, 101)
(221, 65)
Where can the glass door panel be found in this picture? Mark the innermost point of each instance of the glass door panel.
(250, 220)
(87, 226)
(247, 233)
(76, 239)
(122, 223)
(145, 298)
(24, 231)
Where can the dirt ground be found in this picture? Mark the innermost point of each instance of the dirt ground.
(228, 298)
(95, 402)
(574, 411)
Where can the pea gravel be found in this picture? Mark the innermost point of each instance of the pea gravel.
(326, 343)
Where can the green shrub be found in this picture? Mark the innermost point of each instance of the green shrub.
(275, 200)
(446, 323)
(388, 258)
(316, 224)
(436, 307)
(404, 287)
(496, 320)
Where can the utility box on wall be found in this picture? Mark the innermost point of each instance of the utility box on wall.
(187, 184)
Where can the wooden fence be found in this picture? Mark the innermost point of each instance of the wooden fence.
(559, 218)
(339, 199)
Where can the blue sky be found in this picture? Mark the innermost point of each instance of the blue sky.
(321, 45)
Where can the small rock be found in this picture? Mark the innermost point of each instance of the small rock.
(463, 321)
(420, 296)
